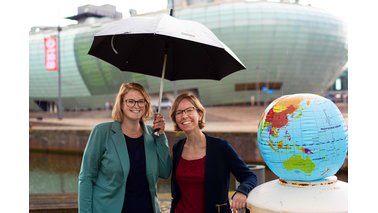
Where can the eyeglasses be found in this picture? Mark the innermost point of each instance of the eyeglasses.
(132, 102)
(188, 111)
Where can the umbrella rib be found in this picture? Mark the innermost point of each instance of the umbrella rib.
(112, 44)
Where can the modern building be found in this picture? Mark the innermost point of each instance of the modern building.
(287, 48)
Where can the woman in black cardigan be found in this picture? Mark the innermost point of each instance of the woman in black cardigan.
(202, 165)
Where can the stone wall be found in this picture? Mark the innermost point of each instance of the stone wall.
(245, 144)
(74, 141)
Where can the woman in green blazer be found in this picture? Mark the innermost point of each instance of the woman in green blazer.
(123, 159)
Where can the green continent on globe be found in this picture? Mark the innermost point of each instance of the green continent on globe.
(297, 162)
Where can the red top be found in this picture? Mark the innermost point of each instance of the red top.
(190, 175)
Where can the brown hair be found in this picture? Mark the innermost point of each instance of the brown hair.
(117, 113)
(196, 103)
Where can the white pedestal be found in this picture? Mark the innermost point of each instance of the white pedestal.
(328, 196)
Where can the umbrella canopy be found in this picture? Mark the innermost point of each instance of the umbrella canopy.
(140, 44)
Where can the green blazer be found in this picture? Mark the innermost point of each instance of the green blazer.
(105, 167)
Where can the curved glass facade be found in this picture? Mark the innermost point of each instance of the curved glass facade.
(287, 48)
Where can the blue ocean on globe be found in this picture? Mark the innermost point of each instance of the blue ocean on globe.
(303, 137)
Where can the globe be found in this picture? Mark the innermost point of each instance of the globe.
(303, 137)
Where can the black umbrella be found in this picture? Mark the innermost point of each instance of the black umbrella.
(165, 47)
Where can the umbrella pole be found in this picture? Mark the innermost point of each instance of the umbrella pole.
(156, 131)
(162, 82)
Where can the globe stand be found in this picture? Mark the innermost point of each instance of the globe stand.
(326, 196)
(326, 181)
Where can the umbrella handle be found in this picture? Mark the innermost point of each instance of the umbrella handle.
(156, 131)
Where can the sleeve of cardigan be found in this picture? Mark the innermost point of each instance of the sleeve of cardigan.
(165, 162)
(89, 170)
(243, 174)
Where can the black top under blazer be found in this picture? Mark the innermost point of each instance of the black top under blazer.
(221, 160)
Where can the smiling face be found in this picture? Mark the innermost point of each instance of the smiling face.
(120, 106)
(184, 107)
(187, 116)
(132, 105)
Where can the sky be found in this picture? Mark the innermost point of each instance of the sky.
(18, 16)
(53, 13)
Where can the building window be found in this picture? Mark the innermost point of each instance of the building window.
(258, 86)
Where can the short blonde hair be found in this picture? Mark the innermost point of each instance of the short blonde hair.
(196, 103)
(117, 112)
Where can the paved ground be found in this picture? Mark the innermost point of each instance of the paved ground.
(165, 205)
(229, 118)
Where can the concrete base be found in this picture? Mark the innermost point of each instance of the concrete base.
(327, 196)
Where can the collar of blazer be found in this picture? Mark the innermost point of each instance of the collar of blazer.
(121, 148)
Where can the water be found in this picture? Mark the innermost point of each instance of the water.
(58, 173)
(53, 173)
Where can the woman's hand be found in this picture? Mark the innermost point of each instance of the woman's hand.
(159, 123)
(238, 202)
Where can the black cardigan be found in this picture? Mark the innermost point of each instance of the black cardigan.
(221, 160)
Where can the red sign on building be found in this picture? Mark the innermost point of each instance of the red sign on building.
(51, 53)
